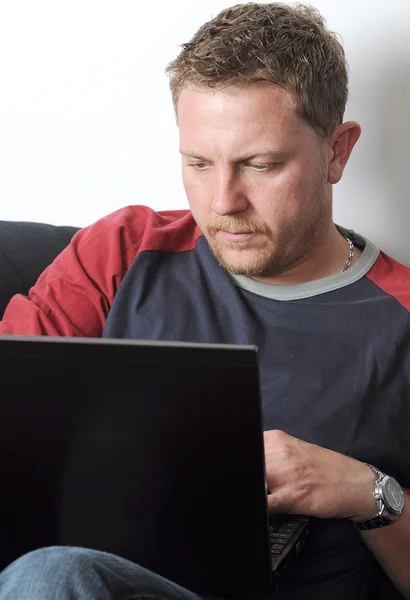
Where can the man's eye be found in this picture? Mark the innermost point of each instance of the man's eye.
(200, 166)
(265, 167)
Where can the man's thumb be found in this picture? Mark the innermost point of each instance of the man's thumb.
(274, 504)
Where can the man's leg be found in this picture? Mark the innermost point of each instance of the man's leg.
(65, 573)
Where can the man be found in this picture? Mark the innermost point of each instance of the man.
(260, 93)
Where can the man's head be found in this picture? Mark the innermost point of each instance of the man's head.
(260, 93)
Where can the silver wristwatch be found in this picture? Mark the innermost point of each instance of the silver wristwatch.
(389, 498)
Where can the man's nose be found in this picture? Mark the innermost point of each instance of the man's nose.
(228, 194)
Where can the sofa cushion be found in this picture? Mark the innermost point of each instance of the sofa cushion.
(26, 249)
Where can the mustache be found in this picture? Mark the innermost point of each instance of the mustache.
(237, 225)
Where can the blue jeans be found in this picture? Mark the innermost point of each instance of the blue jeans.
(67, 573)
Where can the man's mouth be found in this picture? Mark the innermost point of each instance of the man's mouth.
(235, 236)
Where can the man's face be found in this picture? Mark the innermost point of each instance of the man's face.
(255, 175)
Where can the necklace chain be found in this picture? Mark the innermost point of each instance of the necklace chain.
(351, 254)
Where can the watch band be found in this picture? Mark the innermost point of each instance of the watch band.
(374, 523)
(375, 470)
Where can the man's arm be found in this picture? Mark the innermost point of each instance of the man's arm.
(391, 547)
(306, 479)
(73, 295)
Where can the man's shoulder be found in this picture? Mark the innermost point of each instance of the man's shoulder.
(393, 277)
(143, 228)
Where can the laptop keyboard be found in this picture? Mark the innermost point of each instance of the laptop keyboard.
(279, 534)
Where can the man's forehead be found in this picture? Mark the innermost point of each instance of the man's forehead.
(240, 124)
(249, 110)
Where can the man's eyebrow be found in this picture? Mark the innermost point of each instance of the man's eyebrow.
(275, 154)
(189, 153)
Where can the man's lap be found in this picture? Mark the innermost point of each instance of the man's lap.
(68, 573)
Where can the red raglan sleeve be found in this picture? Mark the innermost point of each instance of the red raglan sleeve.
(73, 296)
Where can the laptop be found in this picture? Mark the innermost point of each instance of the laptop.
(149, 450)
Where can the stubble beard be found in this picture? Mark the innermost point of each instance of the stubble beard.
(275, 256)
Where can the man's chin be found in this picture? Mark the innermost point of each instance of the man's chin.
(241, 261)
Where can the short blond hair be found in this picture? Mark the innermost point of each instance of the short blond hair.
(289, 46)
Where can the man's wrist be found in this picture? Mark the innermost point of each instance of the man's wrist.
(364, 504)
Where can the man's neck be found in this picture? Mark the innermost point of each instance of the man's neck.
(327, 258)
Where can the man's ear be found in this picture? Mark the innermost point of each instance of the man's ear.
(342, 141)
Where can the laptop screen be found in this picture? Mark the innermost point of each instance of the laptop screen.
(149, 450)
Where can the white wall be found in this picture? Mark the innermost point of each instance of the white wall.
(87, 125)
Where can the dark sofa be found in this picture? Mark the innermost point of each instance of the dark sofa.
(25, 251)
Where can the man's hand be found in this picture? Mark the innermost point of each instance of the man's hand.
(310, 480)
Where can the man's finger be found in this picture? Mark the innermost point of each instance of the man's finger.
(274, 504)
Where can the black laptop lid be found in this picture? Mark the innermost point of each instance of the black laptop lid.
(152, 451)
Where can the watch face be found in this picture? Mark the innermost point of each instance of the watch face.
(393, 496)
